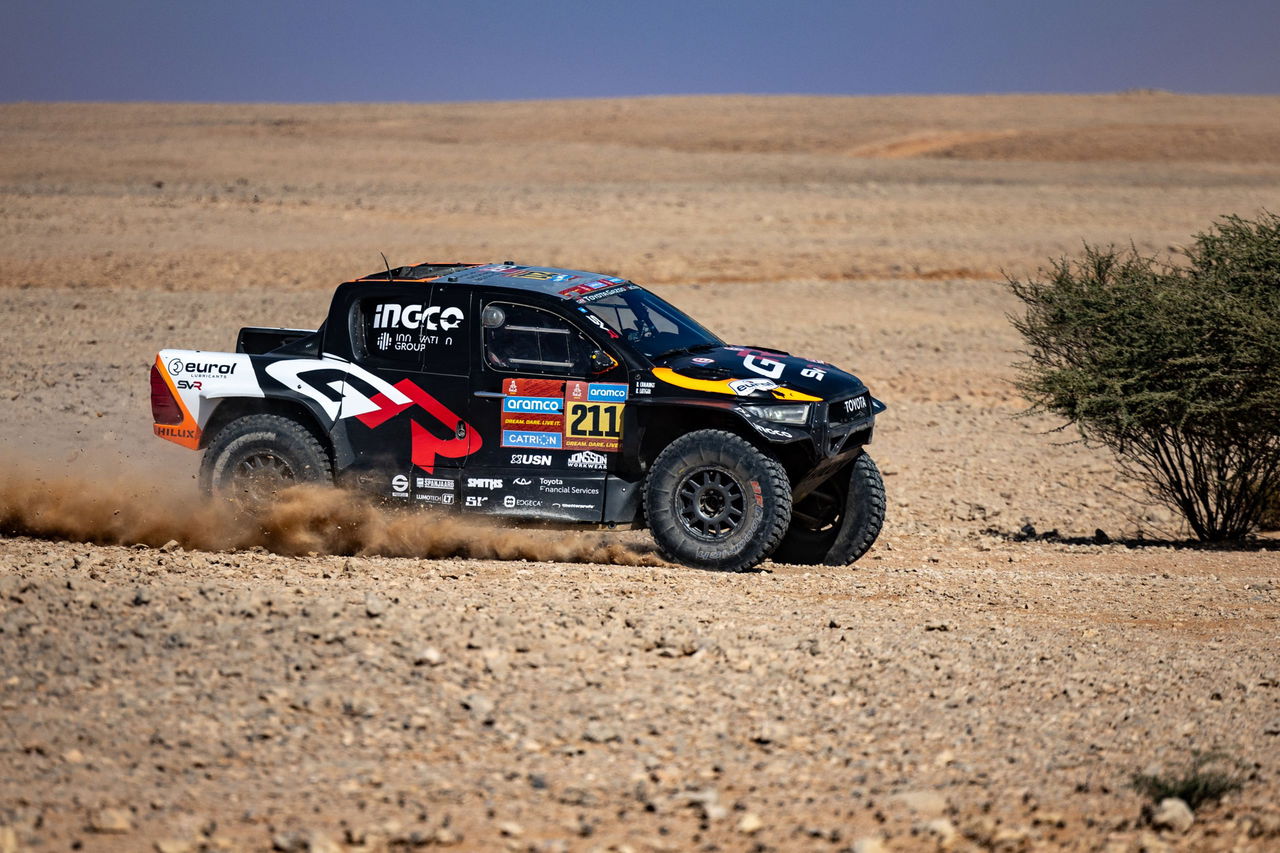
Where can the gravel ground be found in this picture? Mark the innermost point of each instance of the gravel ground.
(1002, 696)
(967, 685)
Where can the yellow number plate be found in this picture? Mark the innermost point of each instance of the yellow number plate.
(593, 426)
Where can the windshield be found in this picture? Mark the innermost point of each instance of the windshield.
(652, 325)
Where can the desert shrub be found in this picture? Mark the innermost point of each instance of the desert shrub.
(1270, 519)
(1206, 778)
(1174, 367)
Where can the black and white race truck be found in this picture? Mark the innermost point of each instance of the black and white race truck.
(539, 394)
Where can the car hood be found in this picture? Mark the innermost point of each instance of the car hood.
(757, 373)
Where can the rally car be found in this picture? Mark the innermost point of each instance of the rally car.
(543, 394)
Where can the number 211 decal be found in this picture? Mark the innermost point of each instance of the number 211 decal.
(593, 426)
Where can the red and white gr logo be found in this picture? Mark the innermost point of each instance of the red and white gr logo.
(426, 446)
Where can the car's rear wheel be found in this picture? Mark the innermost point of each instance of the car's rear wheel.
(254, 458)
(715, 501)
(839, 521)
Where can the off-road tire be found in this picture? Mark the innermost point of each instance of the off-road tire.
(840, 535)
(253, 457)
(713, 500)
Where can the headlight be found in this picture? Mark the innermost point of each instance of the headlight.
(788, 414)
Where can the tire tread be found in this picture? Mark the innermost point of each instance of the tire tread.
(264, 423)
(847, 542)
(865, 470)
(727, 447)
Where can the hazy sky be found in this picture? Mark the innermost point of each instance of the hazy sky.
(450, 50)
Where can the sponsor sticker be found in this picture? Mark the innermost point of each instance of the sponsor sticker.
(550, 440)
(588, 286)
(400, 486)
(588, 459)
(484, 483)
(428, 318)
(542, 405)
(533, 388)
(702, 359)
(543, 275)
(405, 342)
(572, 415)
(477, 500)
(511, 502)
(598, 322)
(200, 369)
(605, 392)
(776, 433)
(533, 406)
(596, 295)
(764, 366)
(743, 387)
(560, 487)
(533, 423)
(530, 459)
(433, 483)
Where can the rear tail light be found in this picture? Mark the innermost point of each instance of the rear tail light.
(164, 407)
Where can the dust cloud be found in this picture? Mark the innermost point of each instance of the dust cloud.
(126, 507)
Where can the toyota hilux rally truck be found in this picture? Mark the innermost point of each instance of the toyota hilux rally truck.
(543, 394)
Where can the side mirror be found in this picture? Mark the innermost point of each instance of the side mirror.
(601, 362)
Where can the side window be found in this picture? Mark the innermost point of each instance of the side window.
(520, 339)
(423, 328)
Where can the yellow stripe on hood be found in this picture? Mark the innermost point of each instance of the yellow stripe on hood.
(721, 386)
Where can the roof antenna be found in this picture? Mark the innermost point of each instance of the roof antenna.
(387, 265)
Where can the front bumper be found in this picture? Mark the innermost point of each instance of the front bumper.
(836, 432)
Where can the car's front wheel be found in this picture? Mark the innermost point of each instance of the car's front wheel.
(255, 457)
(839, 521)
(715, 501)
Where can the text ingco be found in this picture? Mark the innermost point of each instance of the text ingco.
(431, 318)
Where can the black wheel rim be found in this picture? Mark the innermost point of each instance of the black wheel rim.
(259, 476)
(710, 504)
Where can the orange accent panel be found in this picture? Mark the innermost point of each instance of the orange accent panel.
(186, 433)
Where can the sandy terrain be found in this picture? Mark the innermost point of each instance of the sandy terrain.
(489, 689)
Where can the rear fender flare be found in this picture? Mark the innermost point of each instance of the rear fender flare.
(229, 409)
